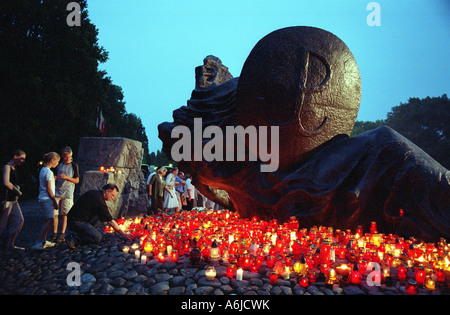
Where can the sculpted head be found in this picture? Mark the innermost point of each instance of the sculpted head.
(304, 80)
(211, 72)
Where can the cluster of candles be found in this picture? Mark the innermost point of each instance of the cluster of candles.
(288, 251)
(109, 170)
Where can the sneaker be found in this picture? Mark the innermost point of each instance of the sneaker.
(48, 244)
(61, 239)
(38, 246)
(15, 248)
(54, 239)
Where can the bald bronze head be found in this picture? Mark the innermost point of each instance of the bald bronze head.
(304, 80)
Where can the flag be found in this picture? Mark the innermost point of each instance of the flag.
(101, 123)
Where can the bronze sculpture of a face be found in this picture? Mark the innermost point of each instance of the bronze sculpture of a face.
(304, 80)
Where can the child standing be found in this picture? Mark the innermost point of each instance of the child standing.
(47, 198)
(67, 176)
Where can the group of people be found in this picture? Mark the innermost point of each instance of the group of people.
(170, 192)
(55, 196)
(56, 199)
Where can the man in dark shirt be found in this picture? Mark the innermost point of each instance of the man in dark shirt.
(88, 213)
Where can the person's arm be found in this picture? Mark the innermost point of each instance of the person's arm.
(76, 176)
(7, 183)
(116, 228)
(191, 194)
(150, 184)
(150, 190)
(74, 180)
(51, 194)
(167, 188)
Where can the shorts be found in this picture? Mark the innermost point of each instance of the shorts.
(47, 208)
(64, 204)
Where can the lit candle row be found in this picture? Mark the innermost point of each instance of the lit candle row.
(222, 236)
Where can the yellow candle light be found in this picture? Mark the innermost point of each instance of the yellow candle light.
(135, 246)
(210, 272)
(331, 276)
(126, 249)
(343, 270)
(148, 247)
(430, 284)
(225, 256)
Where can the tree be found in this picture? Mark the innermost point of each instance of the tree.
(50, 84)
(426, 123)
(363, 126)
(160, 159)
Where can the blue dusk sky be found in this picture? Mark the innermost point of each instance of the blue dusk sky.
(154, 46)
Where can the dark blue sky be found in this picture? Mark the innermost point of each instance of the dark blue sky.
(154, 46)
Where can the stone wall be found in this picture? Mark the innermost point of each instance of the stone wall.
(124, 155)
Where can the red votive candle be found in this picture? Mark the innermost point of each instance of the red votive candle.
(355, 276)
(411, 287)
(303, 281)
(420, 275)
(401, 271)
(273, 278)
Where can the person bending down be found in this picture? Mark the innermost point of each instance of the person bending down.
(87, 214)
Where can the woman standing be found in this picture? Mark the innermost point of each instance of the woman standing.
(170, 198)
(47, 198)
(156, 190)
(11, 214)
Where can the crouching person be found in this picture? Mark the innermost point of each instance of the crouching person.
(87, 215)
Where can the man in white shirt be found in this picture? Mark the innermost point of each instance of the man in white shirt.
(190, 192)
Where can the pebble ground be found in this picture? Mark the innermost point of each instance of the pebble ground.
(106, 270)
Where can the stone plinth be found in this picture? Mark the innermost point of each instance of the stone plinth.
(124, 155)
(94, 180)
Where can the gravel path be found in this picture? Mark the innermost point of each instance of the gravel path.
(106, 269)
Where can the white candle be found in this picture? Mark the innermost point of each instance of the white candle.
(274, 239)
(169, 249)
(293, 235)
(286, 273)
(239, 274)
(137, 253)
(144, 259)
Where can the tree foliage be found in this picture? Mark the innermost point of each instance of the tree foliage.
(50, 84)
(160, 159)
(426, 122)
(423, 121)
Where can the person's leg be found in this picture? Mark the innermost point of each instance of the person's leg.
(65, 206)
(15, 224)
(48, 217)
(55, 219)
(7, 207)
(86, 233)
(46, 226)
